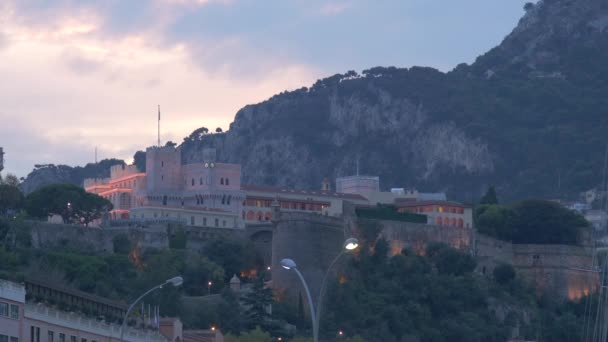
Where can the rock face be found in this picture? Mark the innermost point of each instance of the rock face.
(529, 117)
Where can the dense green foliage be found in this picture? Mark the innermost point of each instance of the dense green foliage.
(388, 212)
(531, 221)
(11, 199)
(257, 303)
(71, 202)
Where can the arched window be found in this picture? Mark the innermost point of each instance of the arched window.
(229, 198)
(460, 223)
(164, 200)
(453, 222)
(197, 200)
(260, 216)
(222, 180)
(224, 199)
(268, 216)
(439, 221)
(250, 216)
(227, 181)
(202, 199)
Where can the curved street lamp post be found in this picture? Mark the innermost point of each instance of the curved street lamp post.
(288, 264)
(175, 281)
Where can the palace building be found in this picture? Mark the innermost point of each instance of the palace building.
(210, 194)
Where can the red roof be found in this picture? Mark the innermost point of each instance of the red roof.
(264, 188)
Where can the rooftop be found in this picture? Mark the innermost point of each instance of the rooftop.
(403, 203)
(328, 194)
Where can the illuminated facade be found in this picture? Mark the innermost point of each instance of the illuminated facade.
(439, 213)
(124, 181)
(205, 194)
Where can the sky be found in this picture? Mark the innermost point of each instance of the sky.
(81, 74)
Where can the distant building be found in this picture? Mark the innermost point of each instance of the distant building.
(439, 213)
(358, 184)
(597, 218)
(24, 321)
(259, 199)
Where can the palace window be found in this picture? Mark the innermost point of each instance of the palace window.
(162, 164)
(192, 181)
(222, 181)
(223, 223)
(217, 222)
(192, 220)
(200, 181)
(14, 311)
(204, 221)
(227, 181)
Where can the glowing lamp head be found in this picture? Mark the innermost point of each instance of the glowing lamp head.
(175, 281)
(351, 244)
(288, 264)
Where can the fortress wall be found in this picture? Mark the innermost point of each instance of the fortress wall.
(312, 241)
(559, 271)
(417, 236)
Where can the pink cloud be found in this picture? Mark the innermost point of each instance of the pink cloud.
(335, 8)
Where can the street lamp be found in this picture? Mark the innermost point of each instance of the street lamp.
(209, 288)
(175, 281)
(349, 245)
(289, 264)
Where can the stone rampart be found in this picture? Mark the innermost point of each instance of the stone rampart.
(312, 241)
(560, 271)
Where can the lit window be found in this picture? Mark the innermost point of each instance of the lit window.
(440, 209)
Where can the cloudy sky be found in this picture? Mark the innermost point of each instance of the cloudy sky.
(76, 74)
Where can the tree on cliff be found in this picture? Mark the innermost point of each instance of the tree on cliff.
(139, 160)
(71, 202)
(490, 197)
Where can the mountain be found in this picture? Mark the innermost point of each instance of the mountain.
(529, 117)
(48, 174)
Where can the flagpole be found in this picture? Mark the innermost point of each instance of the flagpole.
(158, 125)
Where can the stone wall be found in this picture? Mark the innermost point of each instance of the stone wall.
(559, 271)
(312, 241)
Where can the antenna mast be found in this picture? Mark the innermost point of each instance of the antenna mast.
(158, 125)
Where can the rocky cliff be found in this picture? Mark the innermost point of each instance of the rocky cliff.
(529, 116)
